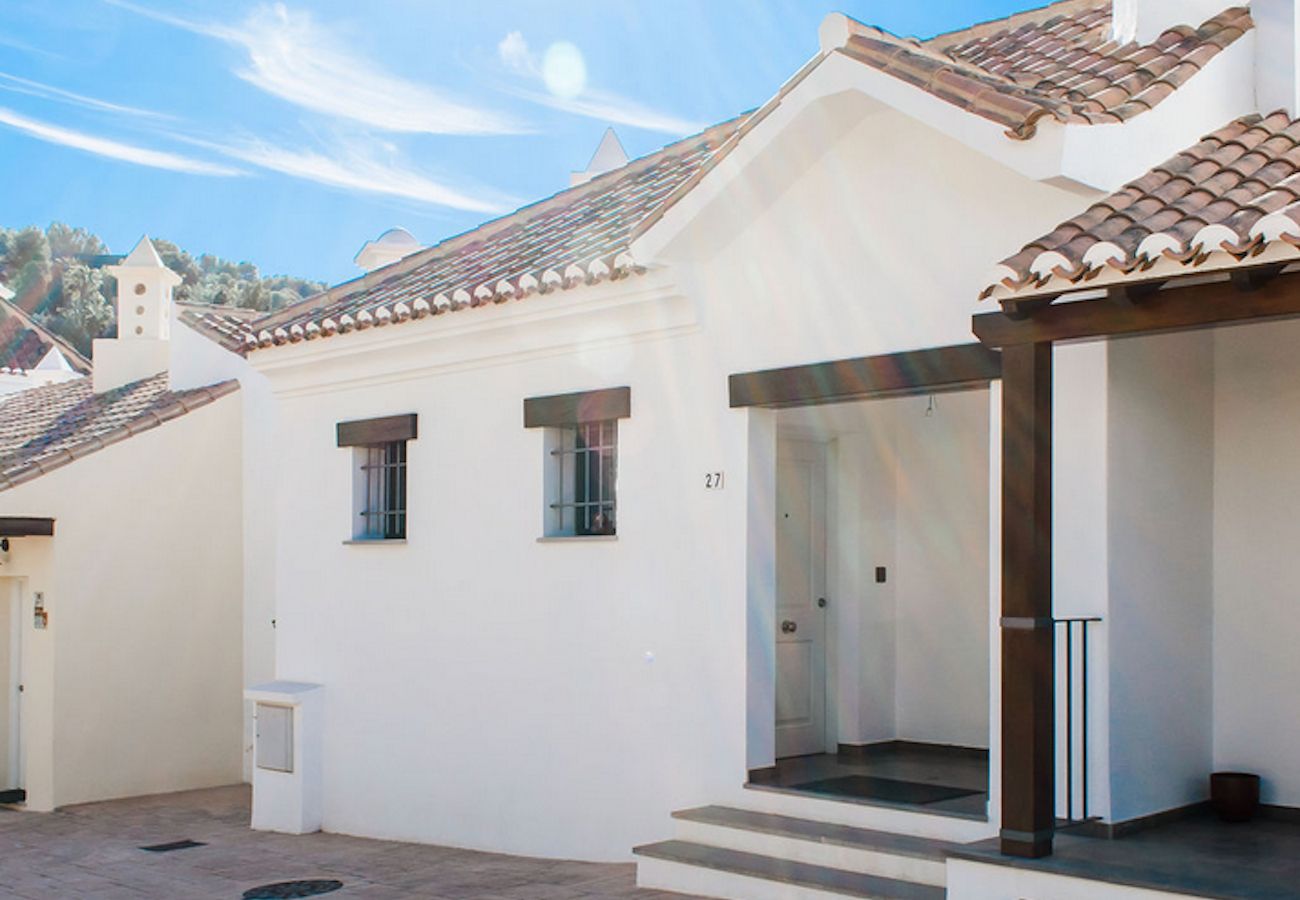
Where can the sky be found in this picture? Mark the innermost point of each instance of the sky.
(288, 134)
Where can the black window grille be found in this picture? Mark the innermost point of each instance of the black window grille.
(384, 513)
(588, 469)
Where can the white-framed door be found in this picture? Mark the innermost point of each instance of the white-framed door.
(10, 683)
(800, 598)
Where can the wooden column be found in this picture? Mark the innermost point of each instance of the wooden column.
(1028, 680)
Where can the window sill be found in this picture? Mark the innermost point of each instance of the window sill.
(577, 538)
(367, 542)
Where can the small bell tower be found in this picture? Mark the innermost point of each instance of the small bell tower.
(144, 309)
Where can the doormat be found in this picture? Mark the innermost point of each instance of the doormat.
(173, 845)
(15, 796)
(287, 890)
(887, 789)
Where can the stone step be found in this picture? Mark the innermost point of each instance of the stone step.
(707, 871)
(861, 850)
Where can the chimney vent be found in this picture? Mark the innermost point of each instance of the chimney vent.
(144, 309)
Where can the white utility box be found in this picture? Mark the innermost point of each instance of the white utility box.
(287, 756)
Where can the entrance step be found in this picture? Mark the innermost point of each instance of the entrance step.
(865, 851)
(704, 870)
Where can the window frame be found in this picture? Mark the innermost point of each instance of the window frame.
(580, 464)
(380, 477)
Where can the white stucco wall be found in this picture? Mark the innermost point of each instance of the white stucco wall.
(1160, 627)
(135, 686)
(485, 690)
(197, 361)
(1256, 568)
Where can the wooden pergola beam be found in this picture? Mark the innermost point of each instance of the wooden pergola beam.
(1028, 658)
(1263, 295)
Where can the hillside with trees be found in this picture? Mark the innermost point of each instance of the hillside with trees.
(58, 275)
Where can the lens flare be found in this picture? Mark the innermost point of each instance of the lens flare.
(564, 70)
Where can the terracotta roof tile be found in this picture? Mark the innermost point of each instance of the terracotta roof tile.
(1235, 191)
(1059, 63)
(48, 427)
(579, 236)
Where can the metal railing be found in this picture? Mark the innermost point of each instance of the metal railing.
(1072, 706)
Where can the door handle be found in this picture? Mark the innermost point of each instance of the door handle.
(789, 627)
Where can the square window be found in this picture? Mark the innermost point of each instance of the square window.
(581, 478)
(379, 496)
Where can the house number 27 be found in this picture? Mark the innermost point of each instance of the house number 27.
(713, 481)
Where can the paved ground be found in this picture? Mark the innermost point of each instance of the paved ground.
(93, 851)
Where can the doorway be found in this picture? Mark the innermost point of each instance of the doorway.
(800, 598)
(10, 690)
(879, 667)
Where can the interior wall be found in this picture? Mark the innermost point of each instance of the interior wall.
(942, 569)
(1160, 501)
(1256, 567)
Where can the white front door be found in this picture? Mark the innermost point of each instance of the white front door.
(800, 598)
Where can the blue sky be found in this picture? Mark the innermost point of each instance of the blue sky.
(288, 134)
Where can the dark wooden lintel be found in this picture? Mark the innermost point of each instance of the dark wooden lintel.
(558, 410)
(378, 431)
(1173, 308)
(892, 374)
(26, 526)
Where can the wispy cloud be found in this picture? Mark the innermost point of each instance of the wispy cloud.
(562, 74)
(291, 56)
(353, 165)
(141, 156)
(15, 44)
(17, 85)
(616, 110)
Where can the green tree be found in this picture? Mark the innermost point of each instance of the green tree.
(85, 308)
(66, 242)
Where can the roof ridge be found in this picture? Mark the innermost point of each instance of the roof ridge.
(491, 228)
(1035, 16)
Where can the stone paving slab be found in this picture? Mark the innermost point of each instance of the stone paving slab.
(93, 851)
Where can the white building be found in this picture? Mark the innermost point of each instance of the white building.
(121, 574)
(694, 488)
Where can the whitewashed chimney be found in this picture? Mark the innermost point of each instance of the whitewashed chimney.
(389, 247)
(609, 156)
(144, 306)
(1145, 20)
(1277, 32)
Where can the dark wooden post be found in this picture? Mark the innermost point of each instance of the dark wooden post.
(1028, 678)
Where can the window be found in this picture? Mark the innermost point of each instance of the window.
(383, 471)
(580, 473)
(583, 483)
(379, 453)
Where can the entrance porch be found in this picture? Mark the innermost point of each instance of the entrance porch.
(1195, 856)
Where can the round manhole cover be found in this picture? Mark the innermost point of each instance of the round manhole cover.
(286, 890)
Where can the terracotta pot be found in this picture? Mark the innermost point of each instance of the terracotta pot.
(1235, 795)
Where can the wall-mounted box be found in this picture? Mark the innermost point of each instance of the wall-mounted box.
(287, 756)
